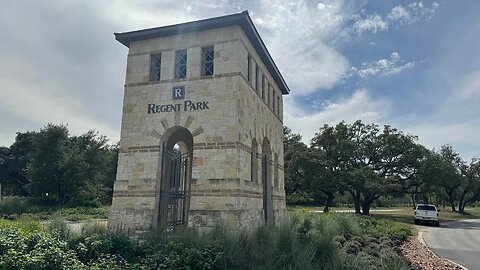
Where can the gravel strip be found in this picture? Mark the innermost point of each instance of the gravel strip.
(419, 254)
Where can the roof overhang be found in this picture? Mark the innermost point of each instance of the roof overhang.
(241, 19)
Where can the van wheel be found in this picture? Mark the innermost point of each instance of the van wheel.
(437, 223)
(416, 222)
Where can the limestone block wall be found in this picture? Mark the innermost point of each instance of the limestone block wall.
(258, 119)
(221, 188)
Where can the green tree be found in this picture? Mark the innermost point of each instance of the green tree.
(78, 170)
(110, 172)
(470, 185)
(325, 170)
(449, 173)
(47, 169)
(369, 162)
(86, 167)
(292, 149)
(13, 164)
(424, 184)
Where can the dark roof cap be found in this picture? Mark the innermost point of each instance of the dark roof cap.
(241, 19)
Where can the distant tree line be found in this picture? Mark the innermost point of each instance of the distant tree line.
(368, 162)
(53, 167)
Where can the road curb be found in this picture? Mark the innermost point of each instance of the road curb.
(420, 238)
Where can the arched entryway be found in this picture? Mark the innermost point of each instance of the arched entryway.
(267, 181)
(173, 192)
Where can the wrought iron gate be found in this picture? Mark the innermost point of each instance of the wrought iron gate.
(178, 193)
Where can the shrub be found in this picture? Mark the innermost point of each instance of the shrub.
(108, 261)
(386, 228)
(94, 227)
(58, 226)
(13, 205)
(23, 249)
(177, 255)
(347, 225)
(309, 241)
(83, 213)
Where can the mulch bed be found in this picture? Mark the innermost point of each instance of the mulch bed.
(420, 255)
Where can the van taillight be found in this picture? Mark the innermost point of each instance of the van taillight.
(415, 212)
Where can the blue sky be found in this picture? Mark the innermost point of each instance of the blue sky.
(412, 64)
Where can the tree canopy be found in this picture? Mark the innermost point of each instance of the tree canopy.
(52, 166)
(368, 162)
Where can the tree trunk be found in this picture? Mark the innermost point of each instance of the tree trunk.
(356, 202)
(452, 202)
(425, 198)
(367, 203)
(414, 202)
(328, 203)
(461, 203)
(366, 207)
(461, 207)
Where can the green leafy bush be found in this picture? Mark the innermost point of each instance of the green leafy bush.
(385, 228)
(178, 255)
(94, 227)
(59, 227)
(309, 241)
(21, 248)
(14, 205)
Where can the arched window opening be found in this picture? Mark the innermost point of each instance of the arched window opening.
(267, 181)
(275, 176)
(254, 162)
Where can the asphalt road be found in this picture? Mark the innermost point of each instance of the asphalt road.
(458, 241)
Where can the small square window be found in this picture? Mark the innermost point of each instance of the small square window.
(155, 67)
(208, 56)
(181, 64)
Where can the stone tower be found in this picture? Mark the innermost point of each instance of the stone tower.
(202, 128)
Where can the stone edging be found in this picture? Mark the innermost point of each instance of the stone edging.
(421, 240)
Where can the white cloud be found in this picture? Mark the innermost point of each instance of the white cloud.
(323, 6)
(135, 15)
(358, 106)
(307, 58)
(24, 102)
(462, 135)
(383, 67)
(418, 11)
(399, 13)
(297, 35)
(77, 77)
(454, 117)
(468, 86)
(372, 23)
(402, 15)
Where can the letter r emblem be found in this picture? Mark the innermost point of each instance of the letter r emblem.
(178, 92)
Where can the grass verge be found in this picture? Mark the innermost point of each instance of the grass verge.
(308, 241)
(406, 215)
(15, 207)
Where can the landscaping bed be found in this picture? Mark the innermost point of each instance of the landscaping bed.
(308, 241)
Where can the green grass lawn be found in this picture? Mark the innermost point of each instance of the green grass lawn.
(15, 207)
(404, 214)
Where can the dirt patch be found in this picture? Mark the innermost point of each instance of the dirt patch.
(419, 254)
